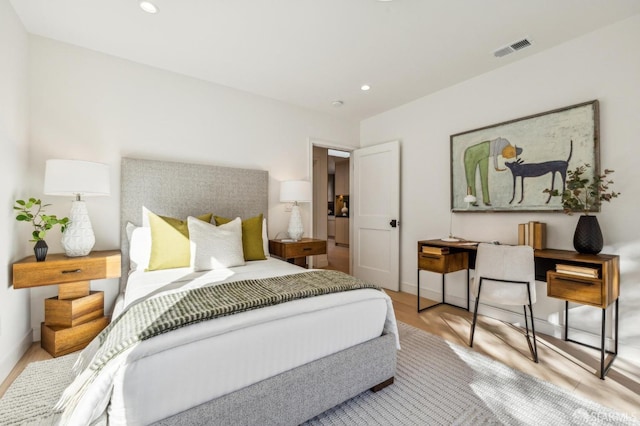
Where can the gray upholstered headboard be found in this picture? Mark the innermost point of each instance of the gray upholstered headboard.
(179, 190)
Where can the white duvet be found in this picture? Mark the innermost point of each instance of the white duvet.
(176, 371)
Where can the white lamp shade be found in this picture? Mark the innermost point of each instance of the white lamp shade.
(78, 178)
(292, 191)
(74, 177)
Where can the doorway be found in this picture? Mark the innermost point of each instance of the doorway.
(331, 218)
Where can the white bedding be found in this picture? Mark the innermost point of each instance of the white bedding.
(142, 284)
(179, 370)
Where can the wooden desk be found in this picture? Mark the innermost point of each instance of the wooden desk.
(599, 291)
(456, 259)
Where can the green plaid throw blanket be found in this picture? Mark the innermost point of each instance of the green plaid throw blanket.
(173, 310)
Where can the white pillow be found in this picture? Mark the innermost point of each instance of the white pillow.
(145, 217)
(139, 246)
(265, 238)
(145, 224)
(215, 247)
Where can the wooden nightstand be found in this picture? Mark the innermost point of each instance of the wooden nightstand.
(296, 252)
(74, 317)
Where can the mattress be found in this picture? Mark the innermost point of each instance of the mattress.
(189, 366)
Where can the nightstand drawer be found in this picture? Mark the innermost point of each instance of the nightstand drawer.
(73, 312)
(442, 263)
(575, 289)
(58, 269)
(63, 340)
(305, 249)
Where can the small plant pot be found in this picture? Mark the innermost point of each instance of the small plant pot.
(40, 250)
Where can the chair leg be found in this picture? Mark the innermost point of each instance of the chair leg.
(532, 347)
(475, 314)
(533, 331)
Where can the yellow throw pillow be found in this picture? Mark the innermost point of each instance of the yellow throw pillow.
(170, 242)
(251, 236)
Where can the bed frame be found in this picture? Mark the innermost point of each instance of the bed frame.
(177, 189)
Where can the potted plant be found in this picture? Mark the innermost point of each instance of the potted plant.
(32, 210)
(584, 195)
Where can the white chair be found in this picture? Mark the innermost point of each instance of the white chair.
(506, 275)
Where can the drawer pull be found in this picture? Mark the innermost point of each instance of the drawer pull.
(73, 271)
(306, 248)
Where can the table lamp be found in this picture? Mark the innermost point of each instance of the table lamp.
(469, 199)
(80, 179)
(295, 191)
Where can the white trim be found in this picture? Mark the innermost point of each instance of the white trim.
(322, 143)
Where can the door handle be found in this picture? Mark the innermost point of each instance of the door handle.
(393, 223)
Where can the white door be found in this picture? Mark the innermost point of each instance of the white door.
(376, 211)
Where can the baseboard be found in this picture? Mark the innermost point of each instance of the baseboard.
(11, 357)
(541, 324)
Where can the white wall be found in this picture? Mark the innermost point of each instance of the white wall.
(90, 106)
(603, 65)
(15, 327)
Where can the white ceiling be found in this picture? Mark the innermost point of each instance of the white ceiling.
(312, 52)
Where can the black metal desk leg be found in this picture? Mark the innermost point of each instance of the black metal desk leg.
(602, 342)
(615, 346)
(604, 368)
(418, 290)
(432, 306)
(566, 320)
(468, 296)
(444, 301)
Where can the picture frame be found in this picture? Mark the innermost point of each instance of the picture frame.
(507, 166)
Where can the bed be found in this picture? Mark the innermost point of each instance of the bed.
(281, 364)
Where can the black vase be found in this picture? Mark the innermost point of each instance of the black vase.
(588, 237)
(40, 250)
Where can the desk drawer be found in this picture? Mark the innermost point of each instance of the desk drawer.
(575, 289)
(443, 263)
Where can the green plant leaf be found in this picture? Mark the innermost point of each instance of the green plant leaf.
(33, 211)
(583, 194)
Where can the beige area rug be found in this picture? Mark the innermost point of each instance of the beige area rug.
(29, 399)
(437, 383)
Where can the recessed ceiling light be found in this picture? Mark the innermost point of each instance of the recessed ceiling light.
(365, 87)
(148, 7)
(337, 104)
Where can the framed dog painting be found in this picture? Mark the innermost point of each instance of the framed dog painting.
(507, 166)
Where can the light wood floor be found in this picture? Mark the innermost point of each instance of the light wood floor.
(34, 353)
(338, 256)
(565, 364)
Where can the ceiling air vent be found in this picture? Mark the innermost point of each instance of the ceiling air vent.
(518, 45)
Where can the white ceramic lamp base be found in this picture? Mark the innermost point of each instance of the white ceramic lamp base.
(78, 239)
(295, 230)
